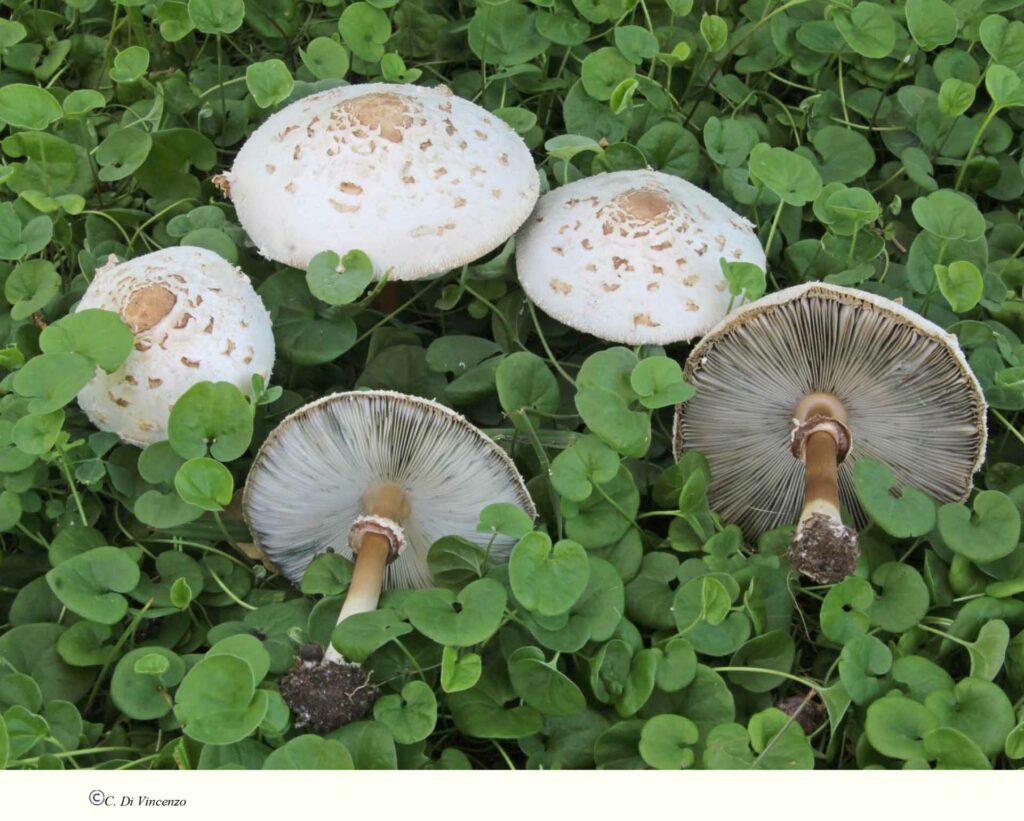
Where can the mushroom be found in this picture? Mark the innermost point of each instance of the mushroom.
(195, 318)
(421, 180)
(633, 256)
(377, 476)
(794, 389)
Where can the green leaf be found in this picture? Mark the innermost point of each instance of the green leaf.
(978, 709)
(100, 336)
(144, 695)
(476, 713)
(1004, 87)
(961, 284)
(772, 651)
(216, 16)
(666, 742)
(30, 107)
(610, 419)
(745, 279)
(410, 716)
(988, 533)
(540, 684)
(205, 483)
(548, 579)
(269, 82)
(714, 30)
(505, 34)
(949, 215)
(460, 621)
(325, 58)
(91, 583)
(862, 664)
(658, 382)
(505, 519)
(868, 29)
(524, 382)
(789, 175)
(454, 561)
(904, 599)
(603, 70)
(31, 286)
(459, 671)
(329, 574)
(896, 727)
(246, 647)
(129, 65)
(586, 462)
(932, 23)
(310, 752)
(779, 742)
(365, 30)
(339, 281)
(899, 509)
(362, 633)
(217, 701)
(952, 750)
(212, 415)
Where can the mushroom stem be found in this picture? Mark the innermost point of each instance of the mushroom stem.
(821, 481)
(326, 692)
(368, 576)
(374, 552)
(823, 548)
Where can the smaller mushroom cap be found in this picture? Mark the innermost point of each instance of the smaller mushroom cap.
(195, 318)
(308, 482)
(633, 256)
(910, 397)
(421, 180)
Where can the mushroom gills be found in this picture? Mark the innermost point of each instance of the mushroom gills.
(823, 548)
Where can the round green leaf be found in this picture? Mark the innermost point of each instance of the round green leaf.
(988, 533)
(548, 579)
(666, 742)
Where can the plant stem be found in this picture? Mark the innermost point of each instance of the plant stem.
(993, 109)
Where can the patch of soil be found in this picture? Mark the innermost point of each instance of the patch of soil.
(326, 695)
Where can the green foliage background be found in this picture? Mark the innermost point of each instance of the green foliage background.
(875, 144)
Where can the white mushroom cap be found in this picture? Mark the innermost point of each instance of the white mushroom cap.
(910, 397)
(308, 482)
(633, 256)
(421, 180)
(195, 317)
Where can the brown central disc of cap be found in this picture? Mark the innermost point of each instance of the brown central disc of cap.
(383, 110)
(644, 205)
(147, 306)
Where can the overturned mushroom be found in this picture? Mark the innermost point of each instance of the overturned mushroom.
(376, 476)
(827, 375)
(633, 256)
(421, 180)
(195, 318)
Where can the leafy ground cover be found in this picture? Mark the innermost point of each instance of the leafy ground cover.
(875, 144)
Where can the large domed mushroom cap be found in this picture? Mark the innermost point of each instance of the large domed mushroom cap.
(421, 180)
(310, 480)
(633, 256)
(910, 400)
(195, 318)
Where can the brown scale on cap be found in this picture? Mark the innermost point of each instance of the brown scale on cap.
(147, 306)
(388, 113)
(644, 205)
